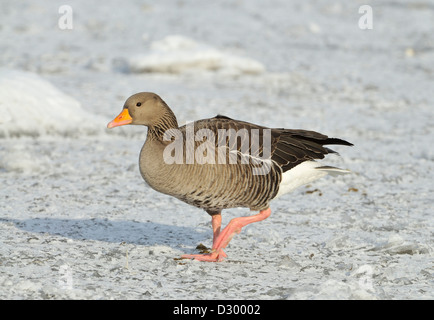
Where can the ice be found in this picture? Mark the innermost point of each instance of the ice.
(78, 222)
(397, 245)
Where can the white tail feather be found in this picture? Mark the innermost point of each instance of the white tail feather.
(333, 170)
(305, 173)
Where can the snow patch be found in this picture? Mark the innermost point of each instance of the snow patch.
(32, 106)
(178, 54)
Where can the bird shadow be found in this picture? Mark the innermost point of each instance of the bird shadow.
(114, 231)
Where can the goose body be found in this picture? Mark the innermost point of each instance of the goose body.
(220, 163)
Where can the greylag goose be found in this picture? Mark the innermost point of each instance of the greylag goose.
(222, 163)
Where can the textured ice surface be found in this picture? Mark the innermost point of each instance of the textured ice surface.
(78, 222)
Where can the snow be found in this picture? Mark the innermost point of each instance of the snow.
(78, 222)
(177, 54)
(32, 106)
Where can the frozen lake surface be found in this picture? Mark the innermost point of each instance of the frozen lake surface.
(78, 222)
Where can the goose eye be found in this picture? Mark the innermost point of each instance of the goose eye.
(138, 104)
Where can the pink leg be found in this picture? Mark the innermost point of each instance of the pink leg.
(216, 221)
(221, 239)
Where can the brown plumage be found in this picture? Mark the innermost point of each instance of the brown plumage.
(171, 160)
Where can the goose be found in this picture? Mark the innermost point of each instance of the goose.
(221, 163)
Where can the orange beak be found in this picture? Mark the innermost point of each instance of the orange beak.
(122, 119)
